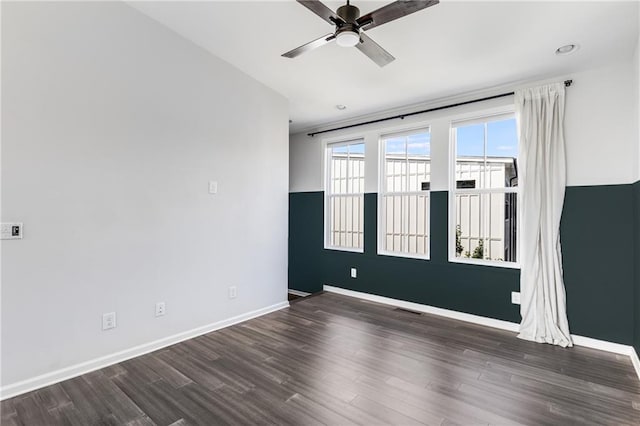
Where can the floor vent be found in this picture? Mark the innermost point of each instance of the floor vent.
(407, 311)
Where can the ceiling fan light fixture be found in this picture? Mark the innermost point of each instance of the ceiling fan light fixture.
(348, 38)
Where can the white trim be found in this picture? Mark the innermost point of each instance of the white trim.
(475, 118)
(381, 236)
(349, 249)
(405, 132)
(72, 371)
(588, 342)
(485, 262)
(327, 195)
(489, 322)
(453, 190)
(635, 361)
(298, 293)
(474, 191)
(406, 255)
(602, 345)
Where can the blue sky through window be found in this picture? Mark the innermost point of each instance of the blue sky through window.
(470, 140)
(502, 139)
(419, 144)
(395, 146)
(357, 148)
(416, 144)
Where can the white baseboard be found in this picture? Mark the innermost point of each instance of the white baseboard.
(602, 345)
(489, 322)
(298, 293)
(104, 361)
(476, 319)
(635, 361)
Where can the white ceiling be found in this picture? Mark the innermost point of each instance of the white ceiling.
(449, 49)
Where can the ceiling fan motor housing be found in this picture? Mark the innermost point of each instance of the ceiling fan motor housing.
(348, 13)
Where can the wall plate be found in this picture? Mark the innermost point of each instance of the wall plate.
(11, 231)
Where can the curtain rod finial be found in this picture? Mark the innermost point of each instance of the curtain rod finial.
(568, 83)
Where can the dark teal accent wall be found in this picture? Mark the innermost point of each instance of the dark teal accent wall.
(598, 249)
(466, 288)
(306, 233)
(636, 215)
(598, 259)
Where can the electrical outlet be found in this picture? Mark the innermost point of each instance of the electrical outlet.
(213, 187)
(160, 309)
(108, 320)
(11, 231)
(354, 273)
(233, 292)
(515, 297)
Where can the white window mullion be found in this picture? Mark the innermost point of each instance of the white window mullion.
(484, 205)
(343, 214)
(406, 218)
(399, 187)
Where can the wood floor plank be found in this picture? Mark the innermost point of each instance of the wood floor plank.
(121, 408)
(53, 396)
(335, 360)
(167, 372)
(155, 408)
(8, 410)
(146, 421)
(11, 421)
(197, 411)
(455, 411)
(320, 414)
(188, 367)
(383, 413)
(30, 411)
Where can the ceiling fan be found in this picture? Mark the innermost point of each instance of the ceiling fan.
(350, 26)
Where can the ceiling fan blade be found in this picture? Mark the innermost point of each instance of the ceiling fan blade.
(322, 11)
(393, 11)
(373, 50)
(309, 46)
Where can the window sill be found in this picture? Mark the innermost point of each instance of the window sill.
(490, 263)
(403, 255)
(347, 249)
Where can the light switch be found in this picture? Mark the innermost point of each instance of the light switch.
(213, 187)
(11, 231)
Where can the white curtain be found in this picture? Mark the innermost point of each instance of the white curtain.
(540, 115)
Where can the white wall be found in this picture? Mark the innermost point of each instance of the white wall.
(636, 73)
(600, 130)
(600, 126)
(112, 126)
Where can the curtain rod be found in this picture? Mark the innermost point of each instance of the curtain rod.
(567, 83)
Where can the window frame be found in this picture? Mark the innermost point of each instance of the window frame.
(478, 118)
(327, 144)
(382, 175)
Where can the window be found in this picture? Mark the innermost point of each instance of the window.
(404, 194)
(484, 191)
(344, 203)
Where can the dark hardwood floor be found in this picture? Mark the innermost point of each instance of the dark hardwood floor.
(331, 359)
(292, 297)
